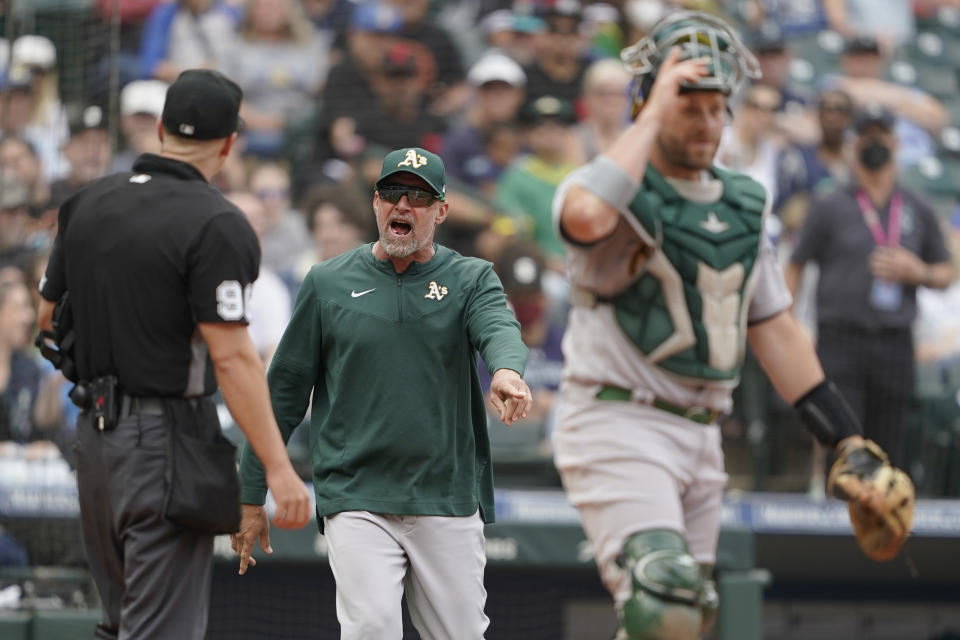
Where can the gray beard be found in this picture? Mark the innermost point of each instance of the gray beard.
(398, 248)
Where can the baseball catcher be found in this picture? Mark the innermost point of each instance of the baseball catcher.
(672, 276)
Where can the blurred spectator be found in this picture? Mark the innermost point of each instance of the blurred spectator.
(12, 552)
(30, 411)
(17, 109)
(606, 108)
(269, 305)
(349, 90)
(752, 143)
(36, 56)
(19, 158)
(521, 267)
(133, 15)
(448, 93)
(561, 59)
(775, 57)
(141, 104)
(512, 34)
(88, 152)
(498, 84)
(399, 117)
(502, 143)
(803, 170)
(919, 115)
(875, 243)
(525, 189)
(339, 219)
(329, 17)
(284, 234)
(185, 34)
(602, 25)
(890, 22)
(937, 327)
(280, 61)
(792, 17)
(18, 235)
(641, 15)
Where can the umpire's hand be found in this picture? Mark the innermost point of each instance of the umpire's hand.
(254, 525)
(510, 395)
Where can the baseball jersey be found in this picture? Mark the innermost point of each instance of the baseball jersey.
(145, 256)
(398, 424)
(596, 350)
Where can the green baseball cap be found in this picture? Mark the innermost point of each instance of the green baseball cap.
(419, 162)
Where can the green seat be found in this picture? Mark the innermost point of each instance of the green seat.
(820, 50)
(65, 625)
(937, 79)
(15, 625)
(938, 180)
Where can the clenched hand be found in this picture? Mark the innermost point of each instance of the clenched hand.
(510, 395)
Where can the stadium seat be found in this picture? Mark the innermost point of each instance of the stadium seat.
(937, 178)
(819, 50)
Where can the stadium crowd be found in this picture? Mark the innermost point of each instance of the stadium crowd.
(513, 94)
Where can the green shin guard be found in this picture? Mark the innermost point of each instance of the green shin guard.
(668, 593)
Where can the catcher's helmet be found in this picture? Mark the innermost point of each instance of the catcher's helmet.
(699, 35)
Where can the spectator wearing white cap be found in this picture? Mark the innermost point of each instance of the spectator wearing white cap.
(33, 58)
(498, 83)
(141, 104)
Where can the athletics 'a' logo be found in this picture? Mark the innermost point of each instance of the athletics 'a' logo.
(412, 159)
(436, 292)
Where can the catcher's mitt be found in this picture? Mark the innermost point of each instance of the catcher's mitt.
(880, 497)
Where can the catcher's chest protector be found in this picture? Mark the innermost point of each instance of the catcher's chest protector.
(687, 313)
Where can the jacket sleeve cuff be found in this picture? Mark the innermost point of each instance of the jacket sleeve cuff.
(253, 495)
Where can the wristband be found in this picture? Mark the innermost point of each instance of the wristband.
(605, 179)
(825, 413)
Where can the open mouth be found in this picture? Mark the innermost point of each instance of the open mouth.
(399, 228)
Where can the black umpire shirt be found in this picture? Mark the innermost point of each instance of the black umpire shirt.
(146, 255)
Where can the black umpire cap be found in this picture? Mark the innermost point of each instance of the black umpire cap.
(202, 104)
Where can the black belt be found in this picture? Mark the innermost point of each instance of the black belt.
(141, 405)
(701, 415)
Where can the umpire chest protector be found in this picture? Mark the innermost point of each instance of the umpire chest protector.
(687, 312)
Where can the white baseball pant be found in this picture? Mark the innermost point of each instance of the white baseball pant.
(629, 467)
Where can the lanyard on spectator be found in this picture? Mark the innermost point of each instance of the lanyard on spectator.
(892, 236)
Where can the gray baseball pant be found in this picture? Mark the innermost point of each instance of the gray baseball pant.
(437, 561)
(153, 576)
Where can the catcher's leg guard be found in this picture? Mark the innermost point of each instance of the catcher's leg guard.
(710, 600)
(669, 596)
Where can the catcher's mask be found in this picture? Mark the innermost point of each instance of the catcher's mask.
(699, 35)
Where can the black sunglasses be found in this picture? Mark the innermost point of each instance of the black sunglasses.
(415, 196)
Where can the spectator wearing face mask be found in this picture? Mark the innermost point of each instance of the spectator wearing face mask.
(875, 243)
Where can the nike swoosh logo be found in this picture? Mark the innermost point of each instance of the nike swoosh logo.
(354, 294)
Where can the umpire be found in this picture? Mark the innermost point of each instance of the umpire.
(158, 266)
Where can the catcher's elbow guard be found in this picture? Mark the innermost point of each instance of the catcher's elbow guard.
(827, 415)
